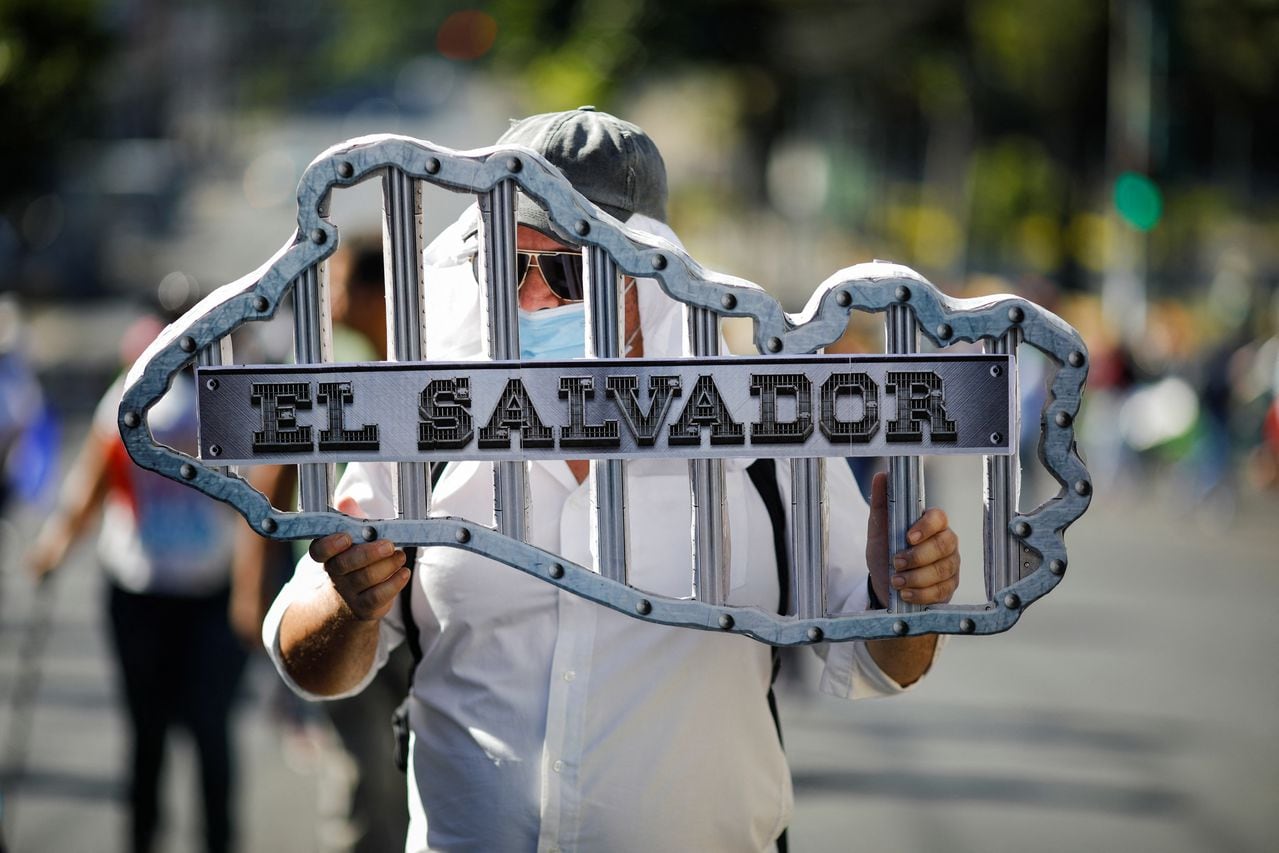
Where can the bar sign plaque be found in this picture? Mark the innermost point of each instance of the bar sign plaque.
(791, 406)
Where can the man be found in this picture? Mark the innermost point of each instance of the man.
(542, 721)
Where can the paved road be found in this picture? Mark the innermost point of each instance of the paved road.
(1133, 709)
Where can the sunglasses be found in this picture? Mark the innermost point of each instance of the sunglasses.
(561, 270)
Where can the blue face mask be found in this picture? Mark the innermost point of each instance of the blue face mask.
(554, 333)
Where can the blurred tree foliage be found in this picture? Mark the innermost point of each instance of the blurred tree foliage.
(1233, 45)
(560, 51)
(1035, 67)
(378, 35)
(985, 119)
(1005, 100)
(50, 54)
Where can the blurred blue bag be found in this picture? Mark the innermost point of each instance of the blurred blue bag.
(31, 466)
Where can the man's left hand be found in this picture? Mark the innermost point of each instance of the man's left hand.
(926, 572)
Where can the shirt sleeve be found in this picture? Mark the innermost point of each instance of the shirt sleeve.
(849, 671)
(369, 485)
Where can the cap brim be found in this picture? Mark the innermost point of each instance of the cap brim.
(528, 212)
(531, 214)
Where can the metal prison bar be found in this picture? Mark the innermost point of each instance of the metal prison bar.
(1017, 545)
(1002, 483)
(405, 307)
(604, 312)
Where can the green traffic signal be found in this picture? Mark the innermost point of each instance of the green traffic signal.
(1138, 200)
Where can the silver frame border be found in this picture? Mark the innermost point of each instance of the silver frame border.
(870, 287)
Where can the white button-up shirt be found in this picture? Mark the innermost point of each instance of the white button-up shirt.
(542, 721)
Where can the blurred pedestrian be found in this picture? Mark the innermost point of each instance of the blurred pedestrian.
(1211, 462)
(166, 552)
(375, 816)
(1262, 392)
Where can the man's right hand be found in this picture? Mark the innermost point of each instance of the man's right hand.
(367, 576)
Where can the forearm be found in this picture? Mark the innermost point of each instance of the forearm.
(326, 649)
(79, 500)
(904, 660)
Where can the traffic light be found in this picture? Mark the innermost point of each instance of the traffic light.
(1138, 201)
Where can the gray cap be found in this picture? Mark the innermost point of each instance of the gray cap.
(612, 162)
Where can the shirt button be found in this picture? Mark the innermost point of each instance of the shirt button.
(557, 766)
(570, 675)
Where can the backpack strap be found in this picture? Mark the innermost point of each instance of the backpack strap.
(763, 474)
(411, 634)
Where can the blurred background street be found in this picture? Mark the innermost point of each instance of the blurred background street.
(1113, 160)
